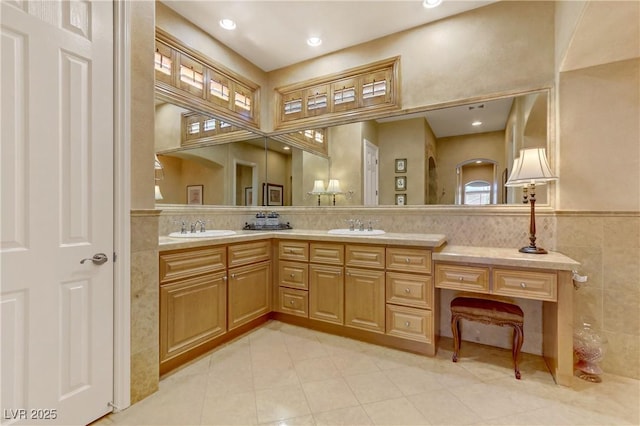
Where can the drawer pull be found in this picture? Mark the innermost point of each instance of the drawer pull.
(523, 284)
(233, 275)
(408, 260)
(292, 275)
(407, 290)
(224, 278)
(460, 279)
(407, 324)
(291, 302)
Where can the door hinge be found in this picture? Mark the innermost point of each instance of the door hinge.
(115, 256)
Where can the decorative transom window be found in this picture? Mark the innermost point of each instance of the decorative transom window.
(191, 77)
(219, 90)
(163, 63)
(373, 89)
(193, 128)
(343, 96)
(313, 135)
(293, 106)
(243, 101)
(209, 125)
(319, 100)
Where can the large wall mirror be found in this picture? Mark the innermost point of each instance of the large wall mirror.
(459, 154)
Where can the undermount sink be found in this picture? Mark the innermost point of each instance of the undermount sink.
(205, 234)
(347, 231)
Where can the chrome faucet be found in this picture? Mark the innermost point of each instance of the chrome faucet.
(201, 223)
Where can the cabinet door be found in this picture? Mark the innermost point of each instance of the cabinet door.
(249, 290)
(326, 293)
(364, 299)
(192, 312)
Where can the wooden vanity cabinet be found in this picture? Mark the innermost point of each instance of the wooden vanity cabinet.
(249, 282)
(410, 294)
(293, 278)
(193, 301)
(365, 287)
(326, 282)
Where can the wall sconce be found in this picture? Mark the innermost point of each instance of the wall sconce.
(334, 188)
(318, 189)
(531, 168)
(158, 175)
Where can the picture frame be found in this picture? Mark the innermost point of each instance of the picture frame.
(401, 183)
(401, 199)
(272, 194)
(401, 165)
(194, 194)
(248, 196)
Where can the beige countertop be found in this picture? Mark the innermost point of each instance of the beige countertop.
(504, 257)
(437, 242)
(406, 239)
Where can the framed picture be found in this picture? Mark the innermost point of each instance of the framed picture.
(272, 194)
(248, 196)
(194, 194)
(401, 165)
(401, 199)
(401, 183)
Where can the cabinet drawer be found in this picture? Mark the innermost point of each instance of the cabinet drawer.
(409, 289)
(293, 274)
(409, 260)
(327, 253)
(365, 256)
(467, 278)
(410, 323)
(294, 302)
(293, 250)
(526, 284)
(188, 263)
(244, 254)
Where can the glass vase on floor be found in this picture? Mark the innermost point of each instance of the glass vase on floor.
(589, 348)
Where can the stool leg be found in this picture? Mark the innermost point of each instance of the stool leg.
(518, 338)
(455, 330)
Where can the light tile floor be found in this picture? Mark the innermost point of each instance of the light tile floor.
(280, 374)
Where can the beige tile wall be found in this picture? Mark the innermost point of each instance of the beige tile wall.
(144, 304)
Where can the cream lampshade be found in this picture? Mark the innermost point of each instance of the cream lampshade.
(334, 186)
(318, 187)
(529, 169)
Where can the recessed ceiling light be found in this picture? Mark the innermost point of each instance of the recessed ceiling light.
(314, 41)
(286, 148)
(228, 24)
(477, 123)
(430, 4)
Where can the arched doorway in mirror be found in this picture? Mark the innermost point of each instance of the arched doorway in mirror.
(477, 182)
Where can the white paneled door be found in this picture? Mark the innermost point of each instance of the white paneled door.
(57, 209)
(370, 173)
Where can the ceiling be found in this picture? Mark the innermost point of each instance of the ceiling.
(273, 34)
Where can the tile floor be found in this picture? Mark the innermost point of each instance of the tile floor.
(280, 374)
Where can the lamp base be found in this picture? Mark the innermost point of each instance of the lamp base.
(533, 250)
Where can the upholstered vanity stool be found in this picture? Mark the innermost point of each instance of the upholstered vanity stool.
(487, 311)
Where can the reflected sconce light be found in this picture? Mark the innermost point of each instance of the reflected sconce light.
(531, 168)
(334, 188)
(318, 189)
(159, 175)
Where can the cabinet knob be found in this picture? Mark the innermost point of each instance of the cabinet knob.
(523, 284)
(224, 278)
(407, 290)
(291, 302)
(407, 323)
(292, 275)
(408, 260)
(460, 279)
(233, 275)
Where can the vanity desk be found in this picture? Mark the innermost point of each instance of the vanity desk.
(505, 272)
(383, 289)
